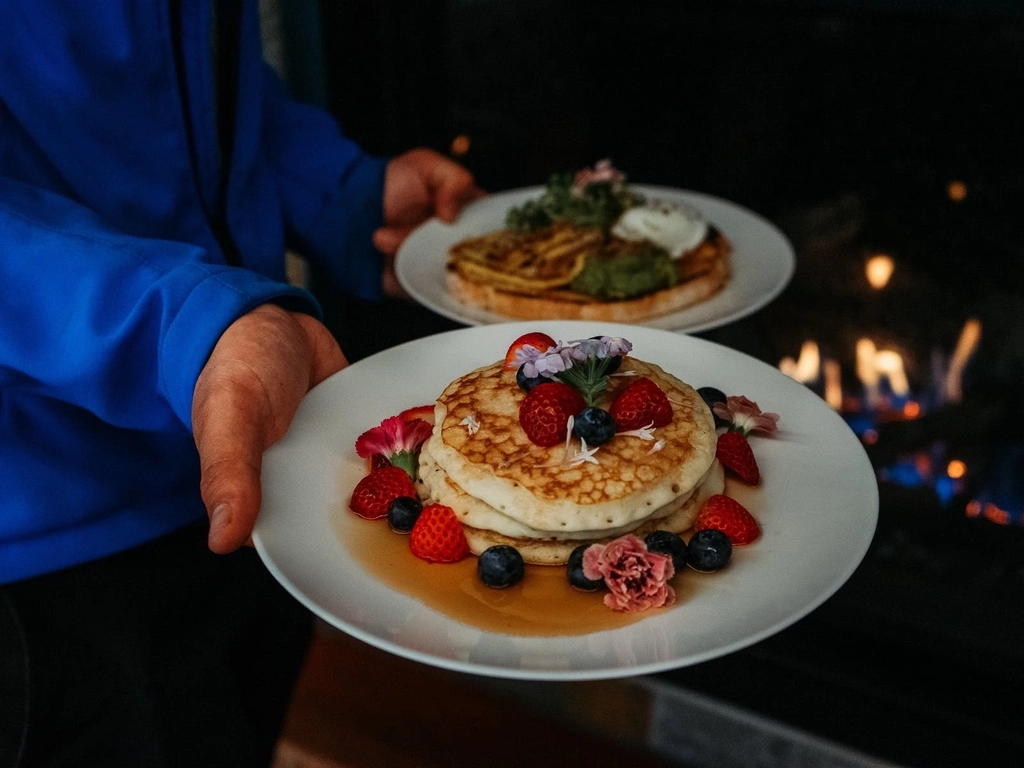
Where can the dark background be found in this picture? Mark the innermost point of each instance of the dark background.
(842, 122)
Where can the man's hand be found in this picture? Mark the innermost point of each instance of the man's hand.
(245, 398)
(417, 185)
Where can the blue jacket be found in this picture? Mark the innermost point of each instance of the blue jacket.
(118, 211)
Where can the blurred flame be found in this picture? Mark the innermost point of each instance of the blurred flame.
(970, 336)
(833, 385)
(807, 367)
(879, 269)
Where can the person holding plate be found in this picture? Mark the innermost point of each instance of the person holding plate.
(153, 171)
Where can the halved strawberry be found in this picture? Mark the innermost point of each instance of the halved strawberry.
(640, 404)
(437, 536)
(372, 494)
(545, 411)
(539, 341)
(725, 514)
(736, 455)
(425, 412)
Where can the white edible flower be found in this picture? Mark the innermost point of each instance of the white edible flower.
(644, 433)
(471, 424)
(584, 454)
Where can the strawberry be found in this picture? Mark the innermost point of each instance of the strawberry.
(725, 514)
(372, 494)
(539, 341)
(377, 461)
(437, 536)
(424, 412)
(640, 404)
(734, 451)
(545, 411)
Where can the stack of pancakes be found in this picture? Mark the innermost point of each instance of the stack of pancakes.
(546, 501)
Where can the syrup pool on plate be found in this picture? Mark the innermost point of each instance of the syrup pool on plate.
(542, 604)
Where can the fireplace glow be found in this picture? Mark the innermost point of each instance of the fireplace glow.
(970, 336)
(880, 392)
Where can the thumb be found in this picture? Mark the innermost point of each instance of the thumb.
(244, 401)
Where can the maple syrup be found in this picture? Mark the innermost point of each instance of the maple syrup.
(542, 604)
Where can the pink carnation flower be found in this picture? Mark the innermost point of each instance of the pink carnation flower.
(398, 439)
(637, 579)
(746, 416)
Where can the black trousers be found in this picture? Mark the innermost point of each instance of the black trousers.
(163, 656)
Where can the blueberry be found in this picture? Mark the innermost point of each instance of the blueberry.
(574, 572)
(594, 425)
(403, 512)
(709, 550)
(670, 544)
(500, 566)
(712, 396)
(525, 382)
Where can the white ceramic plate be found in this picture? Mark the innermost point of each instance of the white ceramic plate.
(817, 505)
(762, 259)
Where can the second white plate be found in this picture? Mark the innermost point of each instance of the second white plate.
(762, 259)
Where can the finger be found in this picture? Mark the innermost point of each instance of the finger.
(457, 189)
(388, 239)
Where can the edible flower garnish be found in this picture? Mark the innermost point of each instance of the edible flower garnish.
(745, 416)
(644, 433)
(584, 363)
(397, 439)
(637, 579)
(603, 170)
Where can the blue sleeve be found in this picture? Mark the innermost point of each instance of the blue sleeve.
(332, 191)
(118, 325)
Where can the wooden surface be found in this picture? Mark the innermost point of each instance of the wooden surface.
(356, 706)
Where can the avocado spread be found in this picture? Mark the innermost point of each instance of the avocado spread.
(625, 275)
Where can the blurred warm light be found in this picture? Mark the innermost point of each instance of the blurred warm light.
(956, 469)
(890, 364)
(460, 145)
(995, 514)
(866, 371)
(806, 368)
(912, 409)
(833, 385)
(965, 346)
(988, 510)
(956, 190)
(870, 437)
(879, 269)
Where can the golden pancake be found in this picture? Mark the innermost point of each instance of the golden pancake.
(482, 449)
(555, 551)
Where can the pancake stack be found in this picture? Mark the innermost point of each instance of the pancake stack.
(547, 501)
